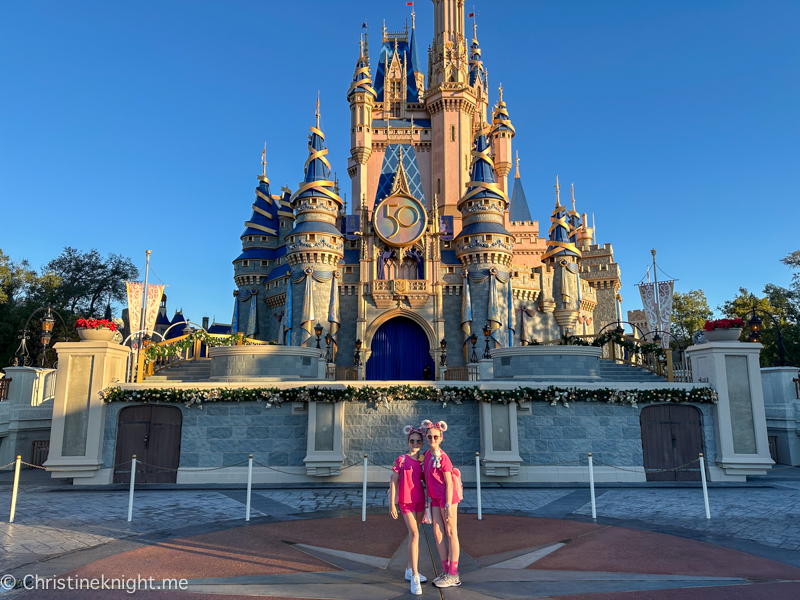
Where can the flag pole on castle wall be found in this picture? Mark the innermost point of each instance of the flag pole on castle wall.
(143, 317)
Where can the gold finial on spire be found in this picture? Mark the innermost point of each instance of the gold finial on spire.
(264, 161)
(516, 176)
(500, 89)
(361, 45)
(558, 192)
(413, 18)
(316, 112)
(572, 192)
(384, 30)
(474, 30)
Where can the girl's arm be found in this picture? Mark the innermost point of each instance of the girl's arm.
(392, 494)
(448, 486)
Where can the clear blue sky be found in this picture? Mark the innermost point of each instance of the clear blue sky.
(139, 125)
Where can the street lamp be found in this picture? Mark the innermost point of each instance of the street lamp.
(443, 344)
(318, 331)
(487, 331)
(357, 354)
(45, 335)
(328, 340)
(756, 324)
(474, 339)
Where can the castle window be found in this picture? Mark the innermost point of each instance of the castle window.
(438, 186)
(348, 269)
(263, 238)
(488, 238)
(312, 237)
(245, 263)
(283, 223)
(264, 263)
(451, 269)
(447, 245)
(313, 201)
(353, 244)
(466, 240)
(452, 133)
(250, 238)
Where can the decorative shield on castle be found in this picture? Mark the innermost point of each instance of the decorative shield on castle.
(400, 286)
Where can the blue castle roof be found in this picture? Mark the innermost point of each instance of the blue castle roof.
(519, 210)
(477, 72)
(481, 173)
(558, 242)
(404, 51)
(264, 220)
(362, 81)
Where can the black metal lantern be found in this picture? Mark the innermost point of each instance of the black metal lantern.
(328, 340)
(474, 339)
(357, 354)
(47, 333)
(318, 331)
(487, 331)
(755, 325)
(443, 344)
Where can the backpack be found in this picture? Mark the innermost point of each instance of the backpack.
(458, 487)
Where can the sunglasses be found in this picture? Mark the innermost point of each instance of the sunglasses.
(432, 437)
(415, 442)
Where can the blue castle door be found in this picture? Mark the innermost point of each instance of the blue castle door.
(400, 351)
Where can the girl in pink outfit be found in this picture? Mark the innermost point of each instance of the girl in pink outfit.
(406, 489)
(439, 479)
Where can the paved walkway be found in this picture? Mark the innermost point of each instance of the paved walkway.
(60, 528)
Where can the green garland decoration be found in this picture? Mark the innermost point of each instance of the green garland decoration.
(385, 395)
(616, 338)
(155, 351)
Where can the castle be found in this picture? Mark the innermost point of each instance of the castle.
(436, 246)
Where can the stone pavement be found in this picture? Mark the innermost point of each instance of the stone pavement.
(58, 525)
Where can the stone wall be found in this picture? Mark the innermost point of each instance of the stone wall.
(226, 433)
(611, 432)
(379, 431)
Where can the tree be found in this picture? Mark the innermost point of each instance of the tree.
(690, 311)
(86, 280)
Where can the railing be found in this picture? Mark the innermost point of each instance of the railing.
(649, 361)
(468, 373)
(197, 350)
(5, 383)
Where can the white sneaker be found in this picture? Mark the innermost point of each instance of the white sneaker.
(448, 581)
(410, 574)
(416, 587)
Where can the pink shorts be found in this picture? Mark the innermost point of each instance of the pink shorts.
(412, 507)
(440, 502)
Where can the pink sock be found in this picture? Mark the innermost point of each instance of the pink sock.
(445, 566)
(453, 568)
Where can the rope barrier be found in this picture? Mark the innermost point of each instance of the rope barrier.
(648, 470)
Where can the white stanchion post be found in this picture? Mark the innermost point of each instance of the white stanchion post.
(130, 496)
(364, 493)
(249, 485)
(478, 481)
(705, 488)
(591, 485)
(14, 491)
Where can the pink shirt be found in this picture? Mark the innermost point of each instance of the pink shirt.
(434, 476)
(409, 480)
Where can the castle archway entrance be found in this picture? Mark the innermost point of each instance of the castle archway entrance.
(400, 352)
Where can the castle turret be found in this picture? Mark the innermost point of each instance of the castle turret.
(562, 258)
(484, 246)
(574, 219)
(478, 78)
(361, 96)
(502, 134)
(315, 245)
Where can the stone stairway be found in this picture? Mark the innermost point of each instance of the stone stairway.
(618, 372)
(197, 370)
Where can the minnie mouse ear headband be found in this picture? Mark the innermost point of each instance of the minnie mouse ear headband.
(409, 429)
(441, 425)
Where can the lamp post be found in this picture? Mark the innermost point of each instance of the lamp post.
(487, 331)
(328, 340)
(318, 331)
(756, 326)
(357, 354)
(474, 339)
(443, 344)
(45, 335)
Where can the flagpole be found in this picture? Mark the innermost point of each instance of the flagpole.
(144, 309)
(655, 288)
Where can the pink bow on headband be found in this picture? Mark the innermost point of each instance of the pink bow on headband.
(441, 425)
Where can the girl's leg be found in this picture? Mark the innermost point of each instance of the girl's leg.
(413, 540)
(451, 530)
(439, 534)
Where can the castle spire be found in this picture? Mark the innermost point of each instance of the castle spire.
(574, 219)
(264, 164)
(558, 192)
(559, 244)
(519, 210)
(317, 181)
